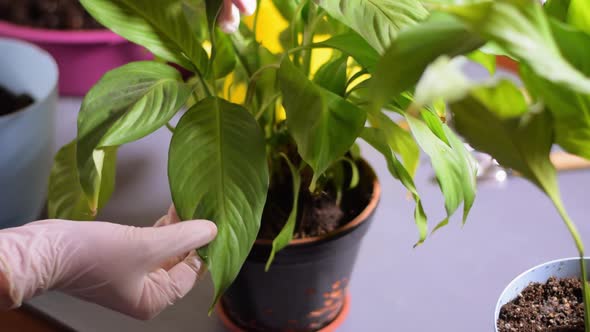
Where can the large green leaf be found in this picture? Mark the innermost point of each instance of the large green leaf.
(570, 109)
(399, 140)
(355, 46)
(378, 21)
(127, 104)
(520, 142)
(377, 138)
(521, 28)
(65, 198)
(407, 58)
(454, 167)
(286, 234)
(323, 124)
(158, 25)
(217, 170)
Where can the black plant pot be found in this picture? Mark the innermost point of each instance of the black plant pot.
(306, 286)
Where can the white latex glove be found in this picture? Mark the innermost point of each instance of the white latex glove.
(229, 18)
(136, 271)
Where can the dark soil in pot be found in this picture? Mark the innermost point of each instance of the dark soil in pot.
(48, 14)
(555, 306)
(11, 102)
(306, 286)
(319, 213)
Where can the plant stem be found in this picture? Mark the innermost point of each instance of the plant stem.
(255, 24)
(170, 127)
(294, 32)
(203, 83)
(571, 226)
(254, 78)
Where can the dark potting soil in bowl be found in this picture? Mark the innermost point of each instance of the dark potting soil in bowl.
(48, 14)
(11, 102)
(555, 306)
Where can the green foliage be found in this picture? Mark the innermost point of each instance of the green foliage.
(323, 124)
(250, 105)
(158, 25)
(66, 198)
(127, 104)
(217, 170)
(385, 18)
(286, 234)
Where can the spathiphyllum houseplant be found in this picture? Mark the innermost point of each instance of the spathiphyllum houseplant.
(269, 124)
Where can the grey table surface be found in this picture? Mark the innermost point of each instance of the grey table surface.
(450, 283)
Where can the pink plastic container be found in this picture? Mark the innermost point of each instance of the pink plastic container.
(82, 56)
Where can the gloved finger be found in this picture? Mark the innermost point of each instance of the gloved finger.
(247, 7)
(164, 288)
(158, 244)
(170, 218)
(229, 18)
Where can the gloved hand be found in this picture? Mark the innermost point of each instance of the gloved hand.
(136, 271)
(229, 18)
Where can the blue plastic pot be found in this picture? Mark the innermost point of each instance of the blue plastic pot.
(26, 136)
(560, 268)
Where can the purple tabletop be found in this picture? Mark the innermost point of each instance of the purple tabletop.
(450, 283)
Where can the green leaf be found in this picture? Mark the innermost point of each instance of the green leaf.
(218, 171)
(454, 167)
(521, 28)
(158, 25)
(286, 234)
(323, 125)
(224, 57)
(127, 104)
(570, 110)
(399, 140)
(378, 140)
(405, 61)
(488, 61)
(443, 78)
(355, 46)
(557, 9)
(332, 75)
(579, 14)
(354, 173)
(378, 21)
(521, 143)
(66, 199)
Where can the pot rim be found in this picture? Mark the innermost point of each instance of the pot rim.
(67, 37)
(365, 213)
(54, 82)
(521, 275)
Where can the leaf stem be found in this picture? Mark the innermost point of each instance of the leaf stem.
(571, 226)
(170, 127)
(203, 83)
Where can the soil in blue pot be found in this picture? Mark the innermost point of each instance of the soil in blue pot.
(555, 306)
(11, 102)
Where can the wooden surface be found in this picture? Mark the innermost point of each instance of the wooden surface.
(24, 320)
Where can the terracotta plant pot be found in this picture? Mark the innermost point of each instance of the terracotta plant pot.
(560, 268)
(82, 56)
(306, 286)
